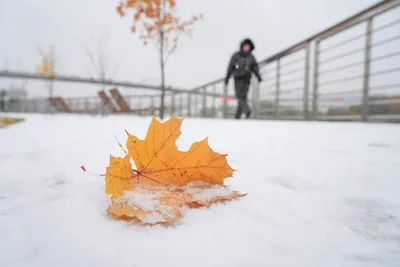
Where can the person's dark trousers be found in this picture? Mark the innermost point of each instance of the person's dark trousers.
(1, 105)
(241, 91)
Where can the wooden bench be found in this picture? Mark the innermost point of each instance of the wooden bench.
(60, 104)
(106, 100)
(123, 105)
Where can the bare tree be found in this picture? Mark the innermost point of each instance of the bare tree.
(102, 64)
(101, 61)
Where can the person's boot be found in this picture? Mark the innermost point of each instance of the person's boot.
(248, 114)
(238, 113)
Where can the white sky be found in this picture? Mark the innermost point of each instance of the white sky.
(75, 25)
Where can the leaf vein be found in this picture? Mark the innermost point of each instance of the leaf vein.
(158, 150)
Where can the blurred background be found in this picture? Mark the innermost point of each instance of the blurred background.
(334, 60)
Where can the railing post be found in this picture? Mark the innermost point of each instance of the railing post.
(195, 104)
(367, 59)
(225, 103)
(189, 104)
(172, 103)
(214, 104)
(157, 101)
(152, 105)
(204, 105)
(87, 105)
(306, 82)
(277, 93)
(181, 105)
(51, 87)
(140, 104)
(315, 82)
(256, 98)
(25, 106)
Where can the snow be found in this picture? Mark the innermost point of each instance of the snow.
(210, 193)
(149, 202)
(143, 199)
(319, 194)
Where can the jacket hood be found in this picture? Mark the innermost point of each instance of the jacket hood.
(249, 42)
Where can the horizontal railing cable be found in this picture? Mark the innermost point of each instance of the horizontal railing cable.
(284, 64)
(336, 45)
(291, 71)
(341, 68)
(386, 41)
(388, 25)
(340, 56)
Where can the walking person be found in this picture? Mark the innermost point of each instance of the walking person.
(241, 66)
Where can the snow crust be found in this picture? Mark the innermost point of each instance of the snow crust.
(319, 194)
(206, 195)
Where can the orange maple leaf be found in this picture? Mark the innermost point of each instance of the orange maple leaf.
(170, 177)
(119, 176)
(158, 159)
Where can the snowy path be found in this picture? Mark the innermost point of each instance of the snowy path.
(319, 195)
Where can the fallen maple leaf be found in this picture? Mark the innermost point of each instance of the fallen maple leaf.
(165, 179)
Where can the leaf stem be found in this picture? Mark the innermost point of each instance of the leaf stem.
(139, 174)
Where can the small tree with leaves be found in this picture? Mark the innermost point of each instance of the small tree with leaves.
(157, 21)
(47, 66)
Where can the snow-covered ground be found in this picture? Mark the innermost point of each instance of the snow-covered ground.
(319, 194)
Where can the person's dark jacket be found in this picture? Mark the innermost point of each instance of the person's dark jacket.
(243, 64)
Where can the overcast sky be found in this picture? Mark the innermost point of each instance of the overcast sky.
(74, 26)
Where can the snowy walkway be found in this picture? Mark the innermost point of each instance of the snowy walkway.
(320, 194)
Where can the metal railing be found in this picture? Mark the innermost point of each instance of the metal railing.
(350, 71)
(183, 103)
(341, 73)
(81, 80)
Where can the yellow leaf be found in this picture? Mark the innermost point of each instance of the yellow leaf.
(6, 121)
(119, 176)
(157, 157)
